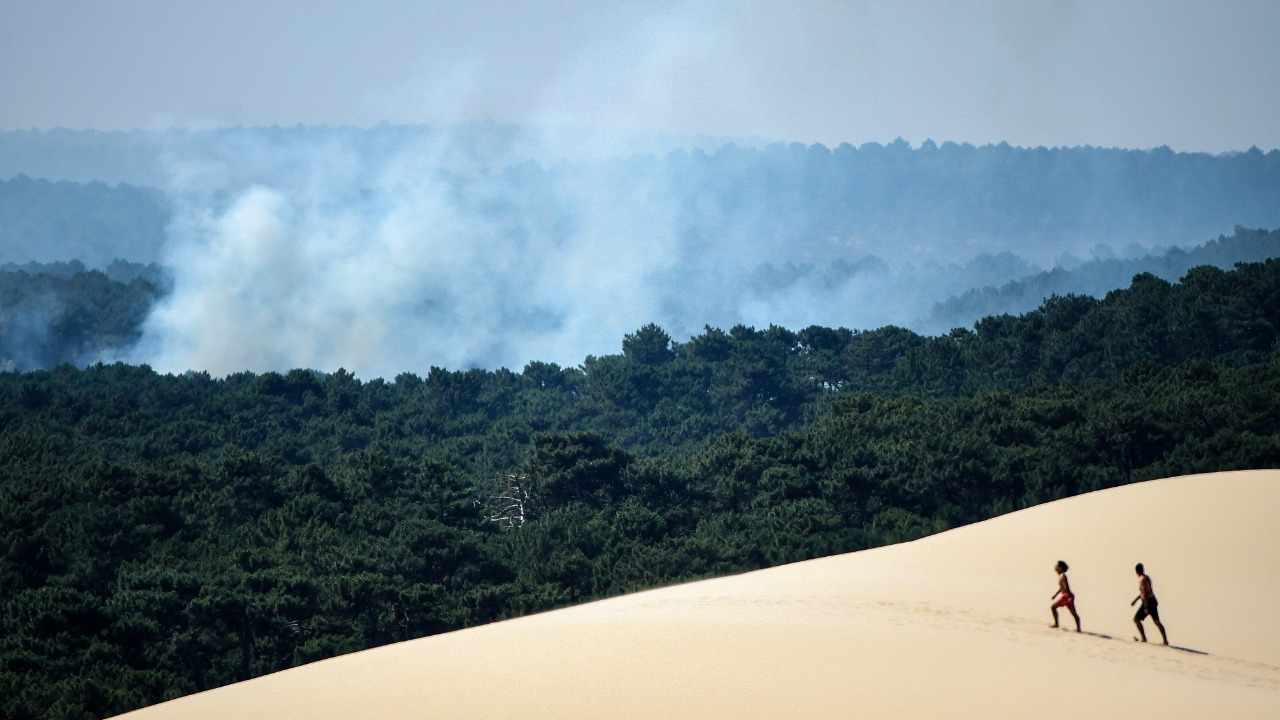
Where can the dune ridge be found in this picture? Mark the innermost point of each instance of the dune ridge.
(954, 625)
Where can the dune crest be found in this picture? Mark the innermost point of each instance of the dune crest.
(955, 625)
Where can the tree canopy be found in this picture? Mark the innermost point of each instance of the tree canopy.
(164, 534)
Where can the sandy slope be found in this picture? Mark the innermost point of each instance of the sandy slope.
(951, 626)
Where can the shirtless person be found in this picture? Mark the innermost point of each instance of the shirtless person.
(1150, 606)
(1063, 598)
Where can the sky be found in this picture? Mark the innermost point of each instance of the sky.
(321, 250)
(1195, 76)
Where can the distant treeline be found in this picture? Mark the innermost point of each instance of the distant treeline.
(163, 534)
(62, 312)
(56, 313)
(43, 221)
(1098, 277)
(956, 199)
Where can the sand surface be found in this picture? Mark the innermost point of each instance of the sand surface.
(951, 626)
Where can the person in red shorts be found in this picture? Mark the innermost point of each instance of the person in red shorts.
(1150, 606)
(1064, 598)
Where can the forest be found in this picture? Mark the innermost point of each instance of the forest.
(492, 246)
(45, 221)
(99, 196)
(64, 312)
(161, 534)
(56, 313)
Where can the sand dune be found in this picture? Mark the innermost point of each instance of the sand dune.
(950, 626)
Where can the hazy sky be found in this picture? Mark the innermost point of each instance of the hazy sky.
(1191, 75)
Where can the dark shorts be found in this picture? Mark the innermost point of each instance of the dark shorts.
(1150, 608)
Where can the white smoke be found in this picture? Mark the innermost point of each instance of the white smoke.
(389, 263)
(477, 247)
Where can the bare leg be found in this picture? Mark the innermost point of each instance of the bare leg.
(1141, 633)
(1163, 636)
(1055, 616)
(1074, 615)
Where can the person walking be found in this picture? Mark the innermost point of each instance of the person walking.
(1150, 606)
(1063, 597)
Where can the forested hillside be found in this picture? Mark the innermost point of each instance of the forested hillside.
(112, 192)
(162, 534)
(1102, 275)
(55, 313)
(43, 221)
(491, 246)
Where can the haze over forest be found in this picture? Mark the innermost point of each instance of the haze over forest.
(399, 185)
(399, 248)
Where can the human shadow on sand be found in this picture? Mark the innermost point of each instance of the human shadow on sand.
(1179, 648)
